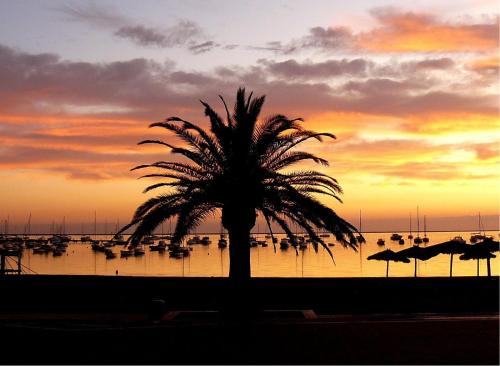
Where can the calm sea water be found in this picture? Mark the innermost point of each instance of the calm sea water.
(211, 261)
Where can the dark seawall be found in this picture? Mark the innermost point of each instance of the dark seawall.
(47, 293)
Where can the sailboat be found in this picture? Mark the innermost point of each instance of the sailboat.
(477, 236)
(359, 238)
(85, 238)
(27, 229)
(95, 242)
(425, 239)
(418, 239)
(410, 236)
(118, 238)
(222, 238)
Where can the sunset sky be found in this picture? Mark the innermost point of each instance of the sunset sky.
(410, 89)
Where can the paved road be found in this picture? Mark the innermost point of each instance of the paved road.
(290, 339)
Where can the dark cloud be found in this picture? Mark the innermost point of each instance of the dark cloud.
(381, 102)
(144, 36)
(181, 77)
(308, 70)
(276, 46)
(327, 38)
(433, 64)
(381, 86)
(182, 33)
(331, 39)
(203, 47)
(44, 83)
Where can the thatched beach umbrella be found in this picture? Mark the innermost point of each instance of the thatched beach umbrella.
(388, 255)
(478, 252)
(490, 245)
(480, 249)
(417, 253)
(451, 247)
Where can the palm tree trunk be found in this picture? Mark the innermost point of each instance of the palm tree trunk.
(239, 253)
(451, 265)
(239, 300)
(489, 267)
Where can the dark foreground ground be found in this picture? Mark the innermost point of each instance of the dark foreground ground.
(87, 319)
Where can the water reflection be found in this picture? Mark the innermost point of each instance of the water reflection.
(210, 261)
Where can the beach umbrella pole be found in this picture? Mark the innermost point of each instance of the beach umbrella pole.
(489, 266)
(387, 269)
(415, 267)
(451, 265)
(478, 267)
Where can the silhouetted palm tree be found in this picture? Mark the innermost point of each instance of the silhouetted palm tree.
(237, 167)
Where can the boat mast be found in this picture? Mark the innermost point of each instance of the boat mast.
(95, 225)
(410, 223)
(425, 228)
(360, 221)
(418, 224)
(29, 225)
(27, 230)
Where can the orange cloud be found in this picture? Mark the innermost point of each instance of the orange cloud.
(416, 32)
(450, 123)
(487, 151)
(486, 66)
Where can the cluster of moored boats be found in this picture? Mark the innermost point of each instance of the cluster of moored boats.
(400, 239)
(106, 246)
(474, 238)
(175, 250)
(58, 243)
(299, 241)
(16, 244)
